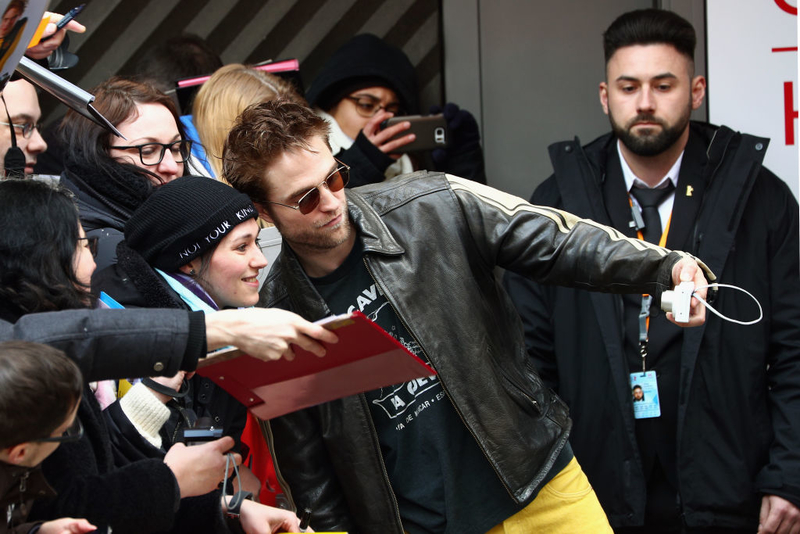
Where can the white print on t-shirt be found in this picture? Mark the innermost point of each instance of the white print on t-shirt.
(400, 402)
(367, 297)
(402, 397)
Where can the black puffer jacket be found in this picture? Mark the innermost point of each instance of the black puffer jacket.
(432, 244)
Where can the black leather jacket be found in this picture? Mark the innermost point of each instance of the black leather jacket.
(432, 242)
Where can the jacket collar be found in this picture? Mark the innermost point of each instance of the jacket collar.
(10, 476)
(372, 231)
(294, 282)
(582, 189)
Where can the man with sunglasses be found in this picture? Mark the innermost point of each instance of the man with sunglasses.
(466, 451)
(40, 390)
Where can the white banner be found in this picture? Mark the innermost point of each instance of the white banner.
(752, 75)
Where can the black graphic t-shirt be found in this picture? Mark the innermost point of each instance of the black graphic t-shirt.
(442, 481)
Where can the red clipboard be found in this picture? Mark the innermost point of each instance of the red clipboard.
(365, 358)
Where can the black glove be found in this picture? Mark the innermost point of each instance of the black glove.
(463, 131)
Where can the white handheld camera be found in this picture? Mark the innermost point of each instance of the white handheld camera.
(678, 301)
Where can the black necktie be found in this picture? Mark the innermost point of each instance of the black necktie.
(649, 200)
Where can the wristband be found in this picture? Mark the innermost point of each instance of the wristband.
(235, 504)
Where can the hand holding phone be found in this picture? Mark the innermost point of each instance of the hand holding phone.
(430, 132)
(387, 140)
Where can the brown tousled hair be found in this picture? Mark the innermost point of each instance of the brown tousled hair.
(261, 134)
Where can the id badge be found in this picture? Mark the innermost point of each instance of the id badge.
(644, 389)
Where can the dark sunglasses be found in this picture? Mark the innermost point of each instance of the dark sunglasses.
(310, 200)
(91, 243)
(73, 433)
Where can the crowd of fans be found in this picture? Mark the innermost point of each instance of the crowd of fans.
(94, 403)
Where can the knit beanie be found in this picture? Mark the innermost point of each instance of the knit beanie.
(364, 61)
(185, 218)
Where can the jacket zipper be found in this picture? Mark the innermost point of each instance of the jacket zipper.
(377, 445)
(698, 237)
(444, 387)
(23, 486)
(266, 429)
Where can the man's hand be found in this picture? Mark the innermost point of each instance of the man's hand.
(778, 516)
(381, 138)
(687, 270)
(199, 469)
(44, 49)
(266, 333)
(260, 519)
(66, 525)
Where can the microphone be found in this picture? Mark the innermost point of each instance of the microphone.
(14, 160)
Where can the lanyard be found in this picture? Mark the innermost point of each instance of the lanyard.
(644, 311)
(195, 301)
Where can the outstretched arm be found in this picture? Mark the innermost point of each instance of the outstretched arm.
(555, 247)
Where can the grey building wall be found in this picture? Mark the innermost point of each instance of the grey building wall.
(530, 71)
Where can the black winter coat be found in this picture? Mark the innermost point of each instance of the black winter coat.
(139, 497)
(738, 413)
(133, 283)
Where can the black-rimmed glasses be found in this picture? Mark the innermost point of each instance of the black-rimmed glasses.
(368, 106)
(91, 244)
(153, 153)
(27, 128)
(73, 433)
(310, 200)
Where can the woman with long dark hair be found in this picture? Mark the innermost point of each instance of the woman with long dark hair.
(46, 264)
(40, 267)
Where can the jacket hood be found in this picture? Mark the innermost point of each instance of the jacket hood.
(365, 59)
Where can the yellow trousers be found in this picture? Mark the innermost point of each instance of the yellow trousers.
(565, 505)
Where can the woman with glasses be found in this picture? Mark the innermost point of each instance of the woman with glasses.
(46, 264)
(368, 81)
(111, 176)
(365, 82)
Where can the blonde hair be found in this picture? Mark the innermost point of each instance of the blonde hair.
(224, 96)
